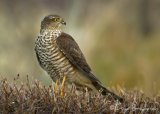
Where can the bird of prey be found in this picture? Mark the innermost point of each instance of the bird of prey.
(60, 56)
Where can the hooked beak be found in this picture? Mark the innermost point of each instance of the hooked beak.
(63, 22)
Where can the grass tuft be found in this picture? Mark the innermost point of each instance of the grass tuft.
(34, 98)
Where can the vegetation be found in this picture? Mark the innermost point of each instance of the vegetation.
(34, 98)
(119, 38)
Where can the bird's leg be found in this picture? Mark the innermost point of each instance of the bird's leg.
(62, 86)
(56, 87)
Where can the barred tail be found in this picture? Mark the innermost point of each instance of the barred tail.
(104, 91)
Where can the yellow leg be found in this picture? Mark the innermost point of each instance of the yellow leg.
(56, 87)
(62, 86)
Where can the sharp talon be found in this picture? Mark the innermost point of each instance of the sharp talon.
(56, 87)
(62, 86)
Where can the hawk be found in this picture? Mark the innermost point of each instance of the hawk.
(60, 56)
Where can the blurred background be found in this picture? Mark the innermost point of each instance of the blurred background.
(119, 38)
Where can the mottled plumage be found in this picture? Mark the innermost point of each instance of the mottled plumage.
(59, 55)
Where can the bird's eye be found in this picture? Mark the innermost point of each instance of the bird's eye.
(56, 19)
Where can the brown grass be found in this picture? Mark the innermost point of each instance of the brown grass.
(34, 98)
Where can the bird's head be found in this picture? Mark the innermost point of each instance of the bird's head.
(52, 22)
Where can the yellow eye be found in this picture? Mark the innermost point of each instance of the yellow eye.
(56, 19)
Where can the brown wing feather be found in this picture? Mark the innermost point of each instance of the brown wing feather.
(72, 51)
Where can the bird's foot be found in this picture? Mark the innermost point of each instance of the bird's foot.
(62, 87)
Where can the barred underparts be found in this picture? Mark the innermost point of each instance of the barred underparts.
(50, 57)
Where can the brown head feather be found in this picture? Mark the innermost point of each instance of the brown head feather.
(52, 22)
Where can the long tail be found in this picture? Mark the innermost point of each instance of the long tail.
(104, 91)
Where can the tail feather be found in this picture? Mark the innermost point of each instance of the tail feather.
(104, 91)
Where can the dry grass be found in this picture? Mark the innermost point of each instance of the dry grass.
(110, 38)
(34, 98)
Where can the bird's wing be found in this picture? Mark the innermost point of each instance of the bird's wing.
(72, 51)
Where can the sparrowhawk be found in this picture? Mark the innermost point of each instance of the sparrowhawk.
(59, 55)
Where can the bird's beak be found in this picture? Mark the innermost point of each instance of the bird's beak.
(63, 22)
